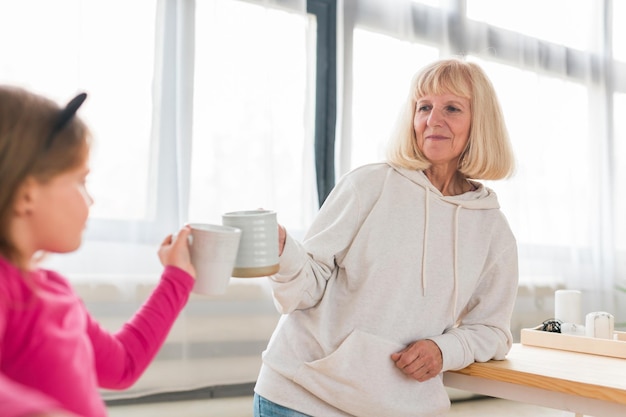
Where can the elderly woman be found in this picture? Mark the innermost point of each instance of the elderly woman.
(409, 269)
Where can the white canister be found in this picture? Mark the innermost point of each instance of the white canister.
(567, 306)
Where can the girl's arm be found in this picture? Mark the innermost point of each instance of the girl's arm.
(121, 358)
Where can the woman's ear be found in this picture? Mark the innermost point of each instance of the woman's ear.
(25, 197)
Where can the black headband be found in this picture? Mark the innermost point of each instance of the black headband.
(64, 117)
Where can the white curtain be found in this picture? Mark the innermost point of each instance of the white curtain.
(556, 84)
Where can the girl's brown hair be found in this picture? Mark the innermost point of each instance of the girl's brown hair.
(27, 122)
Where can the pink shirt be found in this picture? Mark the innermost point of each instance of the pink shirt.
(54, 355)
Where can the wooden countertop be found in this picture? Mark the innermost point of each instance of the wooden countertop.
(581, 374)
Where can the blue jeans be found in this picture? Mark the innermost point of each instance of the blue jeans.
(265, 408)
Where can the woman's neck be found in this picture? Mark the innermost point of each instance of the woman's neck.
(449, 183)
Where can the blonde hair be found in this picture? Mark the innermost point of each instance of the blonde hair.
(26, 122)
(488, 155)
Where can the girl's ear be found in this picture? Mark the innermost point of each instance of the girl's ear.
(25, 197)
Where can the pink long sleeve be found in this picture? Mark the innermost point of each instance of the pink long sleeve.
(54, 355)
(122, 358)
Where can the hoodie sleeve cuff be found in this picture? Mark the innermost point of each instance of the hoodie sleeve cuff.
(290, 261)
(452, 352)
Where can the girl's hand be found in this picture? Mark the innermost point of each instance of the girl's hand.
(282, 236)
(174, 251)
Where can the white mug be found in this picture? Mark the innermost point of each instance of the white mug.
(213, 249)
(258, 249)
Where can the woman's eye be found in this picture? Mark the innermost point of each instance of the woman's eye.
(423, 108)
(453, 109)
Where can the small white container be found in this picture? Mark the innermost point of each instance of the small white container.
(599, 324)
(567, 306)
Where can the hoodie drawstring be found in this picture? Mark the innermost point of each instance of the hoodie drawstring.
(426, 204)
(455, 289)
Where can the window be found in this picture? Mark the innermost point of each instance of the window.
(252, 145)
(157, 81)
(76, 50)
(197, 108)
(539, 112)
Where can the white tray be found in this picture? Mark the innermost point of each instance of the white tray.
(605, 347)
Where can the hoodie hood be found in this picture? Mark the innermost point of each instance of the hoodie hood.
(482, 198)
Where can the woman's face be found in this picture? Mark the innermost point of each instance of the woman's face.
(442, 127)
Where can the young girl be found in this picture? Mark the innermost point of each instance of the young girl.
(53, 355)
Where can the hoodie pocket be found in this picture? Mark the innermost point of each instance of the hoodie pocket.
(360, 378)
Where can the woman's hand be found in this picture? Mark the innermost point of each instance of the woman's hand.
(420, 360)
(174, 251)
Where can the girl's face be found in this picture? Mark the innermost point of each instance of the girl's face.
(442, 127)
(60, 208)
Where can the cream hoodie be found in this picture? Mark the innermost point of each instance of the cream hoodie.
(389, 260)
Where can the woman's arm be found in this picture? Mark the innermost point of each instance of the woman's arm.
(306, 267)
(483, 332)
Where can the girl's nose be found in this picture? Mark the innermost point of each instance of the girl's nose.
(88, 199)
